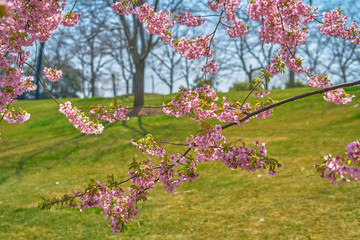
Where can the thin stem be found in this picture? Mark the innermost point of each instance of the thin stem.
(211, 15)
(43, 52)
(249, 94)
(73, 6)
(212, 38)
(183, 144)
(42, 84)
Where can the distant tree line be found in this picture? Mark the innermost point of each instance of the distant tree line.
(104, 44)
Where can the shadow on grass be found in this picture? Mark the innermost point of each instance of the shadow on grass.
(142, 131)
(19, 165)
(16, 168)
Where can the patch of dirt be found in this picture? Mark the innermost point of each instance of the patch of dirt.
(145, 111)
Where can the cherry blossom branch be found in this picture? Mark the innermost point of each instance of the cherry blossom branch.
(290, 100)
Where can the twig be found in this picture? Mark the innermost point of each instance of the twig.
(249, 95)
(176, 144)
(73, 6)
(212, 38)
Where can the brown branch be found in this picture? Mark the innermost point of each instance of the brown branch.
(176, 144)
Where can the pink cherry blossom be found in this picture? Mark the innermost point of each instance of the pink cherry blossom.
(52, 74)
(261, 94)
(187, 19)
(78, 119)
(211, 67)
(335, 26)
(338, 96)
(70, 19)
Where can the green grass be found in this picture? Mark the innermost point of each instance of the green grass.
(222, 204)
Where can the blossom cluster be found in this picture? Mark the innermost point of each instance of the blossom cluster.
(144, 175)
(169, 172)
(210, 67)
(28, 84)
(193, 48)
(159, 23)
(24, 23)
(123, 8)
(344, 168)
(187, 19)
(111, 114)
(117, 206)
(338, 96)
(70, 19)
(261, 94)
(202, 103)
(15, 116)
(52, 74)
(150, 145)
(238, 29)
(319, 81)
(335, 26)
(78, 119)
(284, 22)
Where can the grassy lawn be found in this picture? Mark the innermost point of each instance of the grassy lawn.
(46, 156)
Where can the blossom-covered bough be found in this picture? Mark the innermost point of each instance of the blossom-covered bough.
(283, 23)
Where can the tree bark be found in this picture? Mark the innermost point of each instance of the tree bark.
(138, 86)
(292, 80)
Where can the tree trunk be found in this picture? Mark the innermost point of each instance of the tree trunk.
(292, 80)
(138, 84)
(127, 86)
(92, 80)
(343, 69)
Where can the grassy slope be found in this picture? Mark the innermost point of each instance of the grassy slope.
(222, 204)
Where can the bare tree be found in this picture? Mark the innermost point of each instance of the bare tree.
(326, 54)
(165, 63)
(119, 51)
(313, 51)
(84, 43)
(189, 67)
(343, 60)
(87, 42)
(249, 54)
(140, 44)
